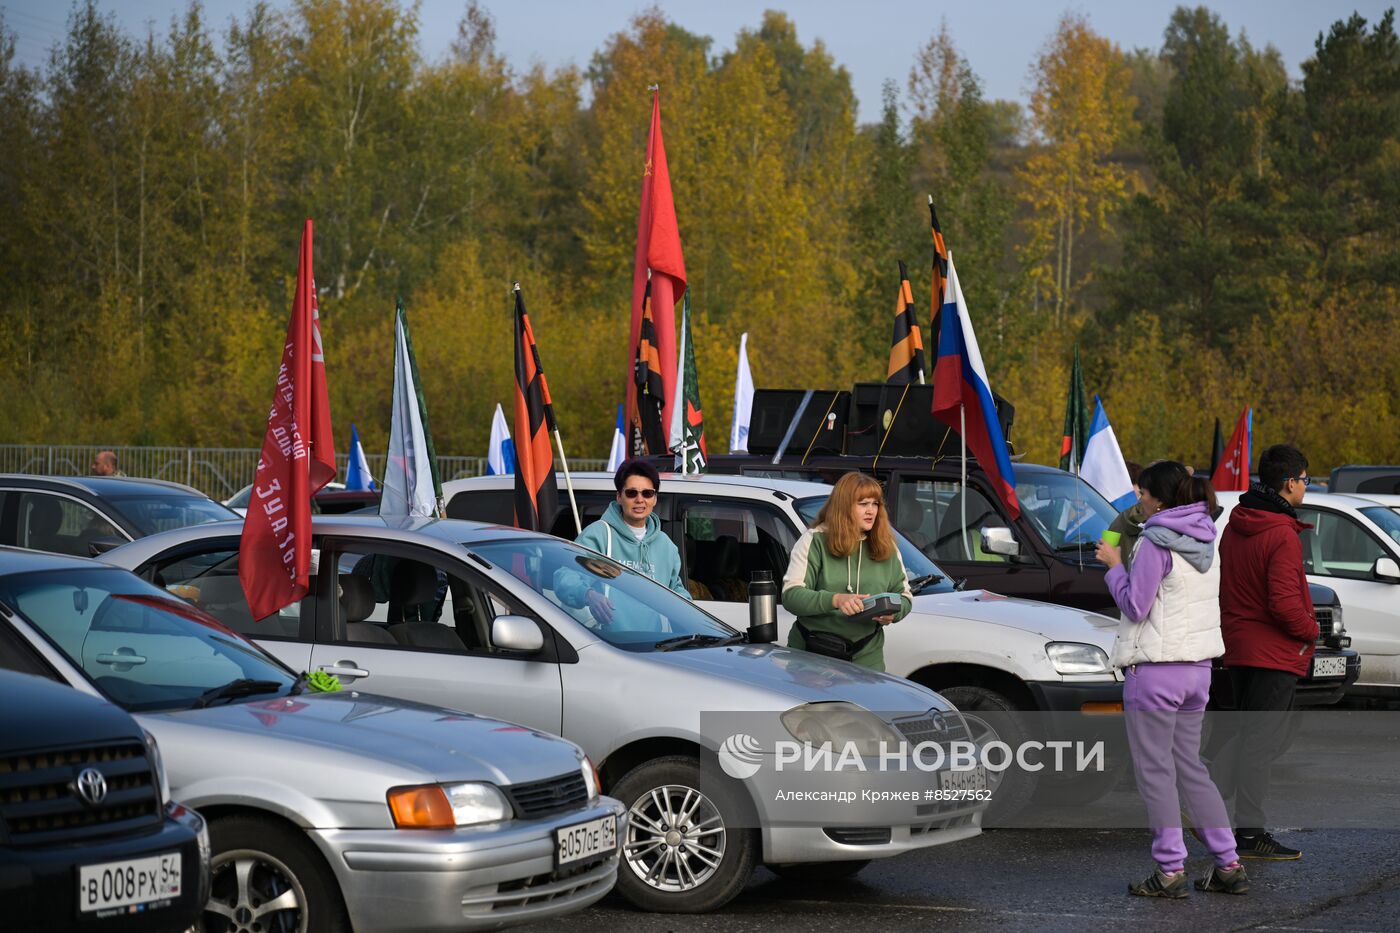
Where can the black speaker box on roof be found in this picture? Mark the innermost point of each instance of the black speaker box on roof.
(902, 421)
(822, 425)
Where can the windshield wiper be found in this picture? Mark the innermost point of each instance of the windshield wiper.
(693, 641)
(917, 584)
(299, 684)
(241, 687)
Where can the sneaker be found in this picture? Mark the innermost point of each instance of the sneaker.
(1158, 884)
(1225, 880)
(1265, 846)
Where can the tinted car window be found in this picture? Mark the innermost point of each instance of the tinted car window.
(1068, 512)
(150, 514)
(917, 566)
(496, 506)
(139, 645)
(1387, 519)
(725, 542)
(59, 524)
(1338, 546)
(209, 580)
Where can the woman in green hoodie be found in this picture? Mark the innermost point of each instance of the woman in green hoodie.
(630, 534)
(848, 554)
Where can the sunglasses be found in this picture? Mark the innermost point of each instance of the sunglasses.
(644, 493)
(1304, 479)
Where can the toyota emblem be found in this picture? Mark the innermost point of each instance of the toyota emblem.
(91, 785)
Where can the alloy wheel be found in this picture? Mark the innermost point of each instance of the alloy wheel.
(675, 838)
(252, 892)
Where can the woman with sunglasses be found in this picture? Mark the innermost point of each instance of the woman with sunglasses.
(630, 534)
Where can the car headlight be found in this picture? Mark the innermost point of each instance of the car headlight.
(590, 777)
(839, 724)
(1338, 627)
(445, 806)
(1072, 658)
(158, 765)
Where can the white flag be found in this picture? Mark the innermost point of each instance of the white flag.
(1103, 466)
(500, 453)
(743, 401)
(619, 445)
(410, 475)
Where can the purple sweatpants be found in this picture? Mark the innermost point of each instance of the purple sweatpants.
(1163, 705)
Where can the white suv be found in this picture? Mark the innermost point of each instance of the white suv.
(981, 651)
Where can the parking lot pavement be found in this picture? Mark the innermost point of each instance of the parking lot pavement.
(1347, 882)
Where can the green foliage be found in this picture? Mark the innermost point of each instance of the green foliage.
(1210, 235)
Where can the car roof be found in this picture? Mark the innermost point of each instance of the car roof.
(1336, 500)
(796, 488)
(101, 486)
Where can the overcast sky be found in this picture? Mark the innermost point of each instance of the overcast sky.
(875, 39)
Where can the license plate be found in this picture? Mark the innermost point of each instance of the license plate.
(584, 840)
(1329, 667)
(971, 779)
(124, 884)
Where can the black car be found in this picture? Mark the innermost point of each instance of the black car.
(88, 836)
(89, 515)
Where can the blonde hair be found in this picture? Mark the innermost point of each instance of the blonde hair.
(837, 518)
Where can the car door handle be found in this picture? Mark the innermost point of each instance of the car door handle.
(348, 670)
(120, 658)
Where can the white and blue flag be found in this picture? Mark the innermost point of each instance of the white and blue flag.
(357, 474)
(619, 445)
(743, 401)
(1103, 466)
(411, 485)
(500, 455)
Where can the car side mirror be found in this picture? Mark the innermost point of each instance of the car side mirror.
(517, 633)
(103, 544)
(1000, 541)
(1386, 570)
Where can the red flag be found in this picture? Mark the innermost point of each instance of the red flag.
(1233, 472)
(536, 492)
(298, 458)
(658, 255)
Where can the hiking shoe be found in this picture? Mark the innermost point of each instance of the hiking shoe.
(1265, 846)
(1158, 884)
(1225, 880)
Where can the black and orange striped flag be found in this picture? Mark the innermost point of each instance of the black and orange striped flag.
(907, 345)
(536, 492)
(646, 431)
(939, 287)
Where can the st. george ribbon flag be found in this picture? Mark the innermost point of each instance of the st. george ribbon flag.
(411, 485)
(962, 394)
(357, 475)
(500, 453)
(1103, 466)
(907, 343)
(297, 458)
(536, 490)
(743, 400)
(658, 271)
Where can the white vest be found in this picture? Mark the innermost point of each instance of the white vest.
(1183, 623)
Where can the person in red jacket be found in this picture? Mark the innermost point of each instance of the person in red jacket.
(1267, 621)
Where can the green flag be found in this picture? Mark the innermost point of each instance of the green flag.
(1076, 420)
(687, 419)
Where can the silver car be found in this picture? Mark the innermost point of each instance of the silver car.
(340, 809)
(465, 615)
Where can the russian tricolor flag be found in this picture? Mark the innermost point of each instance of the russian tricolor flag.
(960, 380)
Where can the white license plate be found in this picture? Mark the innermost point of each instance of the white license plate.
(1329, 667)
(971, 779)
(584, 840)
(123, 884)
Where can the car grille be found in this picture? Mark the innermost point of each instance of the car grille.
(935, 727)
(548, 797)
(544, 893)
(1324, 621)
(39, 803)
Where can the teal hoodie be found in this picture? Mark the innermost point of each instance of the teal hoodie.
(655, 555)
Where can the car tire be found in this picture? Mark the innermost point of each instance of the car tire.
(282, 866)
(1074, 789)
(1011, 789)
(660, 872)
(819, 871)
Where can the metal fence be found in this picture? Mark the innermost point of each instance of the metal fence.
(218, 472)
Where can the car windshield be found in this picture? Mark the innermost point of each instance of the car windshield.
(644, 614)
(1067, 512)
(139, 645)
(1386, 519)
(152, 513)
(917, 567)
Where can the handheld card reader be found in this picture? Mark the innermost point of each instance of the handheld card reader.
(881, 604)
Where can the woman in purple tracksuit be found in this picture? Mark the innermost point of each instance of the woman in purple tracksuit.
(1169, 632)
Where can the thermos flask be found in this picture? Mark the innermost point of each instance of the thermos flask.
(763, 608)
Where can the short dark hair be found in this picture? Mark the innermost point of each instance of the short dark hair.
(1172, 484)
(1134, 470)
(636, 468)
(1280, 463)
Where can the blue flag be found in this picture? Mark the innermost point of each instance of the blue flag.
(357, 470)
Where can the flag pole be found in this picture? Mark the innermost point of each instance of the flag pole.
(962, 433)
(568, 480)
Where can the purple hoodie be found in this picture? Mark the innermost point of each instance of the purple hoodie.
(1188, 530)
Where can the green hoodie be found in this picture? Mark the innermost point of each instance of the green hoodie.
(655, 555)
(814, 576)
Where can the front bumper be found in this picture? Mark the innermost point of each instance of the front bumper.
(423, 881)
(1061, 696)
(818, 844)
(1325, 692)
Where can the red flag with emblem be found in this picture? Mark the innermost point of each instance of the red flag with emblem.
(1233, 470)
(297, 458)
(659, 261)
